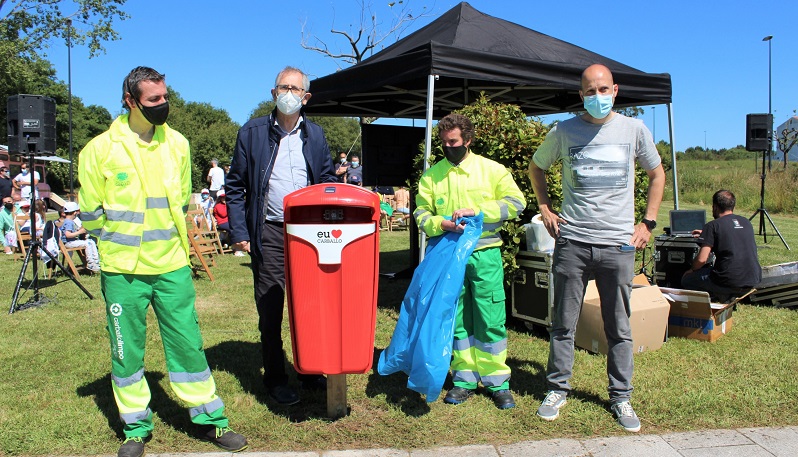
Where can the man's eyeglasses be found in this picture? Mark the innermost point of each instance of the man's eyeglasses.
(283, 88)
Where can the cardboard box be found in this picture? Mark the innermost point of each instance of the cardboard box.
(694, 316)
(649, 319)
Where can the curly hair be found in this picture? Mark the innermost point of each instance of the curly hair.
(457, 121)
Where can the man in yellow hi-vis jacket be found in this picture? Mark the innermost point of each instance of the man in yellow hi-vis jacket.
(466, 184)
(135, 185)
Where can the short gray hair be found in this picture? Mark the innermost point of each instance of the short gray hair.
(305, 80)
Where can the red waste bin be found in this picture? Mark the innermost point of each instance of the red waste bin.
(331, 265)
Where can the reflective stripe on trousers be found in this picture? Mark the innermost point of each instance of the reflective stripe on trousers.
(127, 298)
(480, 338)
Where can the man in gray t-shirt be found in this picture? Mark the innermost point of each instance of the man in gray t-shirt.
(596, 233)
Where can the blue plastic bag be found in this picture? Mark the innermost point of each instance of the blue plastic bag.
(421, 345)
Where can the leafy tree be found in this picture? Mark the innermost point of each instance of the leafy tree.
(27, 29)
(664, 150)
(210, 131)
(264, 108)
(28, 26)
(342, 133)
(631, 111)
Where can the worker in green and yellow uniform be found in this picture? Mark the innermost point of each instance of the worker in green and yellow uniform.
(135, 187)
(466, 184)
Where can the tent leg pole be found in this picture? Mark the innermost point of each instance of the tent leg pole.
(427, 148)
(673, 158)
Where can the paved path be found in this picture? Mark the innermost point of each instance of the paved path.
(743, 442)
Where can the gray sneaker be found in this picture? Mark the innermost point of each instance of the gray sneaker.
(626, 416)
(550, 408)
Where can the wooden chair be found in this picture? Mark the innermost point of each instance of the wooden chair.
(394, 220)
(223, 248)
(201, 248)
(66, 254)
(209, 233)
(23, 239)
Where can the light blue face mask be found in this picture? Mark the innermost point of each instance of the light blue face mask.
(355, 164)
(598, 106)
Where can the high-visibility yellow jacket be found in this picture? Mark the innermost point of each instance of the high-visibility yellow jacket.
(134, 196)
(482, 184)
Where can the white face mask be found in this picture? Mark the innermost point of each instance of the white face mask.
(288, 103)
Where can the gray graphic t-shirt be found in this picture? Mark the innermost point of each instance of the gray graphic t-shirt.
(598, 175)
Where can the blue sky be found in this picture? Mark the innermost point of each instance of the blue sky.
(228, 53)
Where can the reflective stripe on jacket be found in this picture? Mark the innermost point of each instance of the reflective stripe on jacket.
(114, 201)
(478, 183)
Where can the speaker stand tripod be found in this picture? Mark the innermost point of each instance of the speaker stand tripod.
(37, 299)
(763, 213)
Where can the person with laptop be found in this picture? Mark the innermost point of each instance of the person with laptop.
(731, 238)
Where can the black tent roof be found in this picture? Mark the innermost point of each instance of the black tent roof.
(473, 52)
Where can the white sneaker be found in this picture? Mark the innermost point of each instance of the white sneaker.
(550, 408)
(240, 254)
(626, 416)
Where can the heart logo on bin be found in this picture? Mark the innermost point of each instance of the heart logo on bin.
(337, 233)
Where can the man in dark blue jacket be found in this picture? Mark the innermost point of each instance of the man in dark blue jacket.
(274, 155)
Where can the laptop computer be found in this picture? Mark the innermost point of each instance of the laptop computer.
(684, 221)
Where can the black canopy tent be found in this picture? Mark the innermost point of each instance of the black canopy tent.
(446, 64)
(471, 52)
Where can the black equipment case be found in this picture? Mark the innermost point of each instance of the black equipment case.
(672, 257)
(533, 288)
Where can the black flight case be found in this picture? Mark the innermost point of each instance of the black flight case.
(533, 288)
(673, 255)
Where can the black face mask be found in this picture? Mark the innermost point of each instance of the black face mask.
(9, 206)
(155, 115)
(455, 154)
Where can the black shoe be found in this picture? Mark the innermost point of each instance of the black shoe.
(226, 439)
(503, 399)
(132, 447)
(316, 383)
(283, 395)
(457, 395)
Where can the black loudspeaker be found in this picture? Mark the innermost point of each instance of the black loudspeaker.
(757, 131)
(31, 124)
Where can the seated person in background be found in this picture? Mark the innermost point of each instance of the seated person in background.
(402, 200)
(220, 211)
(386, 210)
(206, 205)
(24, 208)
(7, 225)
(73, 206)
(71, 237)
(731, 238)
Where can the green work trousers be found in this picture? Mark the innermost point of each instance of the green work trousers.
(127, 298)
(480, 336)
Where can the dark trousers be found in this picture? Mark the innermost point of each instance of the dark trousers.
(269, 276)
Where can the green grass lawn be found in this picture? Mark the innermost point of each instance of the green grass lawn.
(56, 397)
